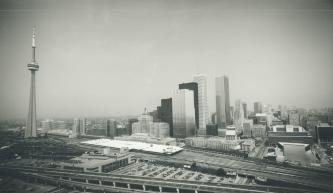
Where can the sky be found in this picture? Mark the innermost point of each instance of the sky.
(112, 58)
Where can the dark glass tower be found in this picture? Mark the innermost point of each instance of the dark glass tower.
(165, 113)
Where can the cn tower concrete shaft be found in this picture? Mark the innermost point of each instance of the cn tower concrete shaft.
(31, 128)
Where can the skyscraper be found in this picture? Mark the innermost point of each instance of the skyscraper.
(223, 117)
(238, 115)
(245, 110)
(111, 128)
(201, 80)
(31, 128)
(76, 128)
(165, 113)
(183, 114)
(130, 125)
(257, 107)
(294, 118)
(194, 87)
(83, 126)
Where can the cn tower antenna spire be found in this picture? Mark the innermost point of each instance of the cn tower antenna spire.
(34, 44)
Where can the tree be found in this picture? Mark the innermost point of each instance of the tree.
(221, 172)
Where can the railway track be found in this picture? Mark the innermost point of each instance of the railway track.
(54, 174)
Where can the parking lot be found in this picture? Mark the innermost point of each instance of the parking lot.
(165, 172)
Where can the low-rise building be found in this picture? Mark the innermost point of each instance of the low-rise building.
(248, 145)
(92, 162)
(230, 133)
(289, 133)
(324, 134)
(215, 143)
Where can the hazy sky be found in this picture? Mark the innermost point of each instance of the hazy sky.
(105, 58)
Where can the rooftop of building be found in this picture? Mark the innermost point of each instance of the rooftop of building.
(144, 136)
(288, 128)
(324, 125)
(214, 139)
(92, 160)
(261, 114)
(231, 127)
(134, 145)
(230, 132)
(297, 144)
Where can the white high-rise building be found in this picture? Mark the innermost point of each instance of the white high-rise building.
(76, 128)
(223, 116)
(201, 80)
(238, 115)
(83, 126)
(183, 113)
(47, 124)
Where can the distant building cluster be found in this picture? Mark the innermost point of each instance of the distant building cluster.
(146, 125)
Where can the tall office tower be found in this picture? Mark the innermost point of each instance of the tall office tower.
(165, 113)
(130, 125)
(330, 115)
(245, 110)
(238, 115)
(76, 127)
(83, 126)
(31, 129)
(201, 80)
(257, 107)
(183, 114)
(111, 128)
(294, 118)
(47, 124)
(223, 117)
(194, 87)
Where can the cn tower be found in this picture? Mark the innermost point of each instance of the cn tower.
(31, 128)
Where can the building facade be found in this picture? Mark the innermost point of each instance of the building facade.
(194, 87)
(293, 118)
(258, 107)
(47, 124)
(223, 117)
(165, 113)
(111, 128)
(201, 80)
(238, 115)
(245, 110)
(146, 125)
(183, 114)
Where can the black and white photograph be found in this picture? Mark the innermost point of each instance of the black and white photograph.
(166, 96)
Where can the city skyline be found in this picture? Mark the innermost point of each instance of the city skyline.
(91, 69)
